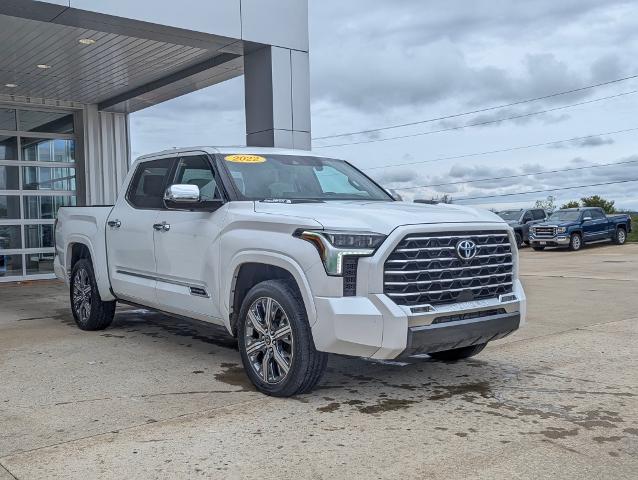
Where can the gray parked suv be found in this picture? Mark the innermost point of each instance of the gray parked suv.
(520, 220)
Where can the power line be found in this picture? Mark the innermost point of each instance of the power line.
(511, 149)
(477, 124)
(482, 110)
(547, 190)
(598, 165)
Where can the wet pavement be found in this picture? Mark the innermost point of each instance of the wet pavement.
(159, 397)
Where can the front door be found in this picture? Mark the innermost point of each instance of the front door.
(187, 250)
(130, 231)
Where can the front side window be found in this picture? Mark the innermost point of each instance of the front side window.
(147, 187)
(596, 214)
(197, 171)
(264, 176)
(539, 214)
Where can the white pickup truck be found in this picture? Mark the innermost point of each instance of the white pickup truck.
(297, 256)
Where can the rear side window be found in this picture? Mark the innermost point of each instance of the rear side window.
(539, 214)
(148, 184)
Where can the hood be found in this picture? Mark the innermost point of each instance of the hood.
(556, 224)
(379, 217)
(512, 223)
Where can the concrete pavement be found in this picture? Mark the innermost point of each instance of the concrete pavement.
(157, 397)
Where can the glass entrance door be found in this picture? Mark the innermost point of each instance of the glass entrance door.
(38, 165)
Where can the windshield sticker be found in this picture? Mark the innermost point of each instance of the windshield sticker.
(245, 158)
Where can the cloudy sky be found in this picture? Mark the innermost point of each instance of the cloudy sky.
(379, 63)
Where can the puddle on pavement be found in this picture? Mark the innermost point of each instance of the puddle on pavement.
(236, 376)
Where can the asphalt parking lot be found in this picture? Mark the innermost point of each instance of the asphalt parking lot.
(155, 397)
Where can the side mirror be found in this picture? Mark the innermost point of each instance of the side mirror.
(182, 193)
(188, 197)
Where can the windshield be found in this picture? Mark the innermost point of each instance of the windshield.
(263, 176)
(565, 216)
(510, 214)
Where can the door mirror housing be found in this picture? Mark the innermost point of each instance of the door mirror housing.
(188, 197)
(182, 193)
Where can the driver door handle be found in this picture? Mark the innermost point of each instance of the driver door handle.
(162, 227)
(114, 223)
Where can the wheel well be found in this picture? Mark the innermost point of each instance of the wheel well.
(249, 275)
(622, 227)
(78, 252)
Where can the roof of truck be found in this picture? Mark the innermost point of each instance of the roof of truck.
(228, 151)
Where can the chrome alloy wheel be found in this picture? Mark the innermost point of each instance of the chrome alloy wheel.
(268, 340)
(82, 294)
(622, 236)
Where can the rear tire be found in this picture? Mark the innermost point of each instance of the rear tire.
(278, 354)
(89, 311)
(620, 237)
(575, 242)
(458, 353)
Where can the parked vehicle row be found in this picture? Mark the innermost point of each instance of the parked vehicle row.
(297, 256)
(570, 227)
(575, 227)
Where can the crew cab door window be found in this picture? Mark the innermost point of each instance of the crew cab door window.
(148, 184)
(197, 171)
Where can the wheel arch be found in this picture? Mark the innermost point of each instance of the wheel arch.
(80, 246)
(250, 268)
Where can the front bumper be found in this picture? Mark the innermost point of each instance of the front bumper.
(372, 325)
(558, 241)
(375, 327)
(462, 333)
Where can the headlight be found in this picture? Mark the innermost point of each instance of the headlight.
(334, 245)
(561, 229)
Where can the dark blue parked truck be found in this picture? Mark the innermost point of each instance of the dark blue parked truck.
(521, 220)
(574, 227)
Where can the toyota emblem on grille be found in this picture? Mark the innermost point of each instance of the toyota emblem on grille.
(466, 249)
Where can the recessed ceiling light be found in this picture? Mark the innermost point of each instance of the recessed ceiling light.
(11, 85)
(43, 66)
(86, 41)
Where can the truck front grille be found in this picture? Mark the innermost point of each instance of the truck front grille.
(425, 269)
(546, 232)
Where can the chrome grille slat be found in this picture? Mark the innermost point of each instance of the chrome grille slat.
(409, 280)
(448, 290)
(450, 280)
(498, 235)
(448, 258)
(427, 249)
(437, 270)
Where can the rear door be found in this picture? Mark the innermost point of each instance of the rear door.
(600, 223)
(130, 231)
(187, 252)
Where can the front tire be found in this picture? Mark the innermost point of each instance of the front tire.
(275, 341)
(458, 353)
(89, 311)
(575, 242)
(519, 240)
(538, 249)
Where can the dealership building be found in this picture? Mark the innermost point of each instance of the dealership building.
(72, 71)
